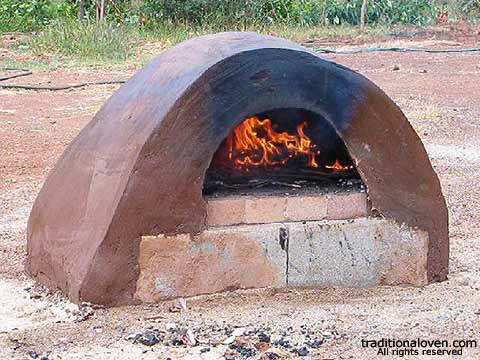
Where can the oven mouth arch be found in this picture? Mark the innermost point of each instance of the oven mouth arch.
(278, 147)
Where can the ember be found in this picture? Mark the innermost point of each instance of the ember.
(337, 166)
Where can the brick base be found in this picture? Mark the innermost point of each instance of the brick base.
(263, 210)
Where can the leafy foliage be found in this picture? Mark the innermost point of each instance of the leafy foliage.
(128, 21)
(467, 7)
(21, 15)
(27, 15)
(227, 13)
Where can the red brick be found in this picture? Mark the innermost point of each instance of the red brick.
(229, 211)
(301, 208)
(265, 210)
(347, 206)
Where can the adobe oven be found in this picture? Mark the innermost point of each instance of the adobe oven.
(239, 160)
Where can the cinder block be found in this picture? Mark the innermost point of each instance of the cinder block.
(404, 254)
(228, 211)
(237, 257)
(347, 206)
(265, 210)
(337, 253)
(333, 254)
(362, 253)
(300, 208)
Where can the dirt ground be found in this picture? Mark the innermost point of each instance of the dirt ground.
(440, 94)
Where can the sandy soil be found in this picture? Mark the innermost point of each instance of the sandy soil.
(440, 95)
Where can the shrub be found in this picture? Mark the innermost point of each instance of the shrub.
(469, 8)
(228, 13)
(21, 15)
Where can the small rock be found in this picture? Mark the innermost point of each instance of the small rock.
(178, 306)
(396, 68)
(229, 340)
(261, 346)
(83, 312)
(271, 356)
(33, 354)
(177, 342)
(170, 326)
(264, 337)
(303, 351)
(284, 343)
(315, 344)
(149, 338)
(182, 304)
(275, 353)
(97, 328)
(238, 331)
(243, 350)
(133, 336)
(327, 334)
(174, 309)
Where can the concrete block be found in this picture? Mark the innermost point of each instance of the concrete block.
(235, 257)
(355, 253)
(333, 254)
(404, 253)
(360, 253)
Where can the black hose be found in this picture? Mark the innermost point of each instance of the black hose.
(26, 72)
(58, 87)
(399, 49)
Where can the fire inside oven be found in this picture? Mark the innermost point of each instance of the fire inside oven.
(282, 148)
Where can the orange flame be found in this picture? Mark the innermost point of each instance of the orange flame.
(254, 143)
(337, 166)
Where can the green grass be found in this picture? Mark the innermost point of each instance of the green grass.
(75, 45)
(174, 35)
(89, 42)
(61, 41)
(469, 9)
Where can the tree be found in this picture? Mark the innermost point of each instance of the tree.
(363, 12)
(81, 10)
(100, 10)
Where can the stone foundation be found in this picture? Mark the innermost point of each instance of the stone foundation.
(363, 252)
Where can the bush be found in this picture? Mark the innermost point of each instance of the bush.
(234, 13)
(468, 8)
(21, 15)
